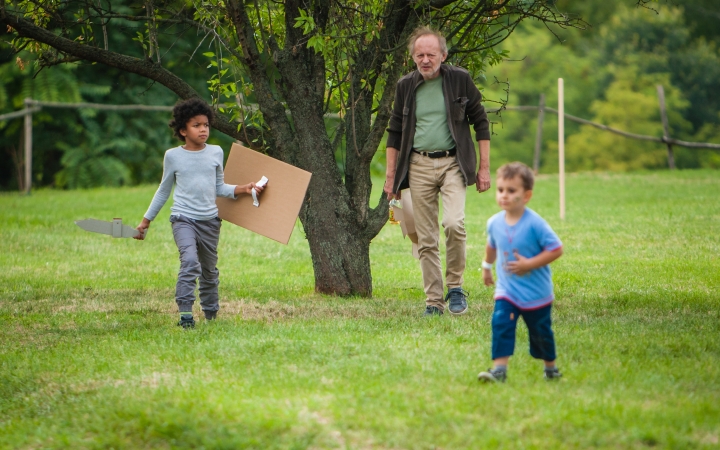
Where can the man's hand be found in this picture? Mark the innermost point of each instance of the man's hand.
(142, 228)
(388, 189)
(488, 277)
(482, 180)
(391, 155)
(521, 266)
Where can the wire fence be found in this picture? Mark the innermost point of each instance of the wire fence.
(665, 139)
(33, 106)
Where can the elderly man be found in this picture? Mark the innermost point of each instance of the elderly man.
(430, 150)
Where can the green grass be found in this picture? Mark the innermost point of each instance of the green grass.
(90, 356)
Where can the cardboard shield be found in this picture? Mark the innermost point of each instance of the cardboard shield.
(280, 202)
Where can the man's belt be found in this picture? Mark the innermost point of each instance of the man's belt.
(439, 154)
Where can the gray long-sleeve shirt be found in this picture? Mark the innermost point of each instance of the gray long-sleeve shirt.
(198, 178)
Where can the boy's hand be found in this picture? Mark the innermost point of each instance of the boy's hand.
(488, 277)
(142, 228)
(257, 188)
(247, 189)
(519, 267)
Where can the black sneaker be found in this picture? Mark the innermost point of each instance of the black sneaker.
(433, 311)
(186, 322)
(552, 374)
(210, 315)
(493, 376)
(457, 299)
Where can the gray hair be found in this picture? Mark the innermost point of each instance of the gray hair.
(424, 31)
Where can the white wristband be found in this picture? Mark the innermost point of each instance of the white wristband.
(486, 265)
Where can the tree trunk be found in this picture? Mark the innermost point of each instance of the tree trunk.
(340, 252)
(337, 234)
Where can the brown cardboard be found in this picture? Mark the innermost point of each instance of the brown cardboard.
(405, 215)
(280, 202)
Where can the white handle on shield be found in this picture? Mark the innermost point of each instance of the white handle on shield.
(263, 181)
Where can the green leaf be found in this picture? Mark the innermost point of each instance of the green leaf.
(317, 43)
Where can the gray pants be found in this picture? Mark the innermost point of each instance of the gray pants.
(197, 242)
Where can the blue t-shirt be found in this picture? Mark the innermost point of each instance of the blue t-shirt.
(529, 237)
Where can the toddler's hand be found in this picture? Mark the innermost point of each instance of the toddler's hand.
(488, 277)
(519, 267)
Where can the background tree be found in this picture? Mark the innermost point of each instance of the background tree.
(611, 71)
(84, 148)
(298, 60)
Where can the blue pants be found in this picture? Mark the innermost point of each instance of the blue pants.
(538, 321)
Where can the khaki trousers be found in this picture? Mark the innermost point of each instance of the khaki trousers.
(428, 178)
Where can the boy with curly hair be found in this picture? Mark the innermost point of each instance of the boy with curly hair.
(524, 245)
(195, 168)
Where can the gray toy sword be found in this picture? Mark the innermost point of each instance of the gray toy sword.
(115, 228)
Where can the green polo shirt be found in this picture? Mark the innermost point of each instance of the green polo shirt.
(431, 127)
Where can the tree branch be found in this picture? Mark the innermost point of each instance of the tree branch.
(438, 4)
(143, 67)
(271, 107)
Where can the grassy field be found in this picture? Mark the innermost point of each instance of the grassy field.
(90, 356)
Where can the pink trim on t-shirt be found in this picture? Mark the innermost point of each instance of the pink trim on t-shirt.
(549, 300)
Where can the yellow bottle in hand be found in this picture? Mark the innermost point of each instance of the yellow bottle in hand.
(393, 203)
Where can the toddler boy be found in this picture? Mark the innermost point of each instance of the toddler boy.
(524, 245)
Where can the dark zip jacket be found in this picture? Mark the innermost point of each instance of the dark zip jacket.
(462, 103)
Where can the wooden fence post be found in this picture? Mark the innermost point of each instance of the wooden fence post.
(28, 146)
(538, 134)
(666, 127)
(561, 145)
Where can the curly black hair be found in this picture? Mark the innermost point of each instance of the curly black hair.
(186, 110)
